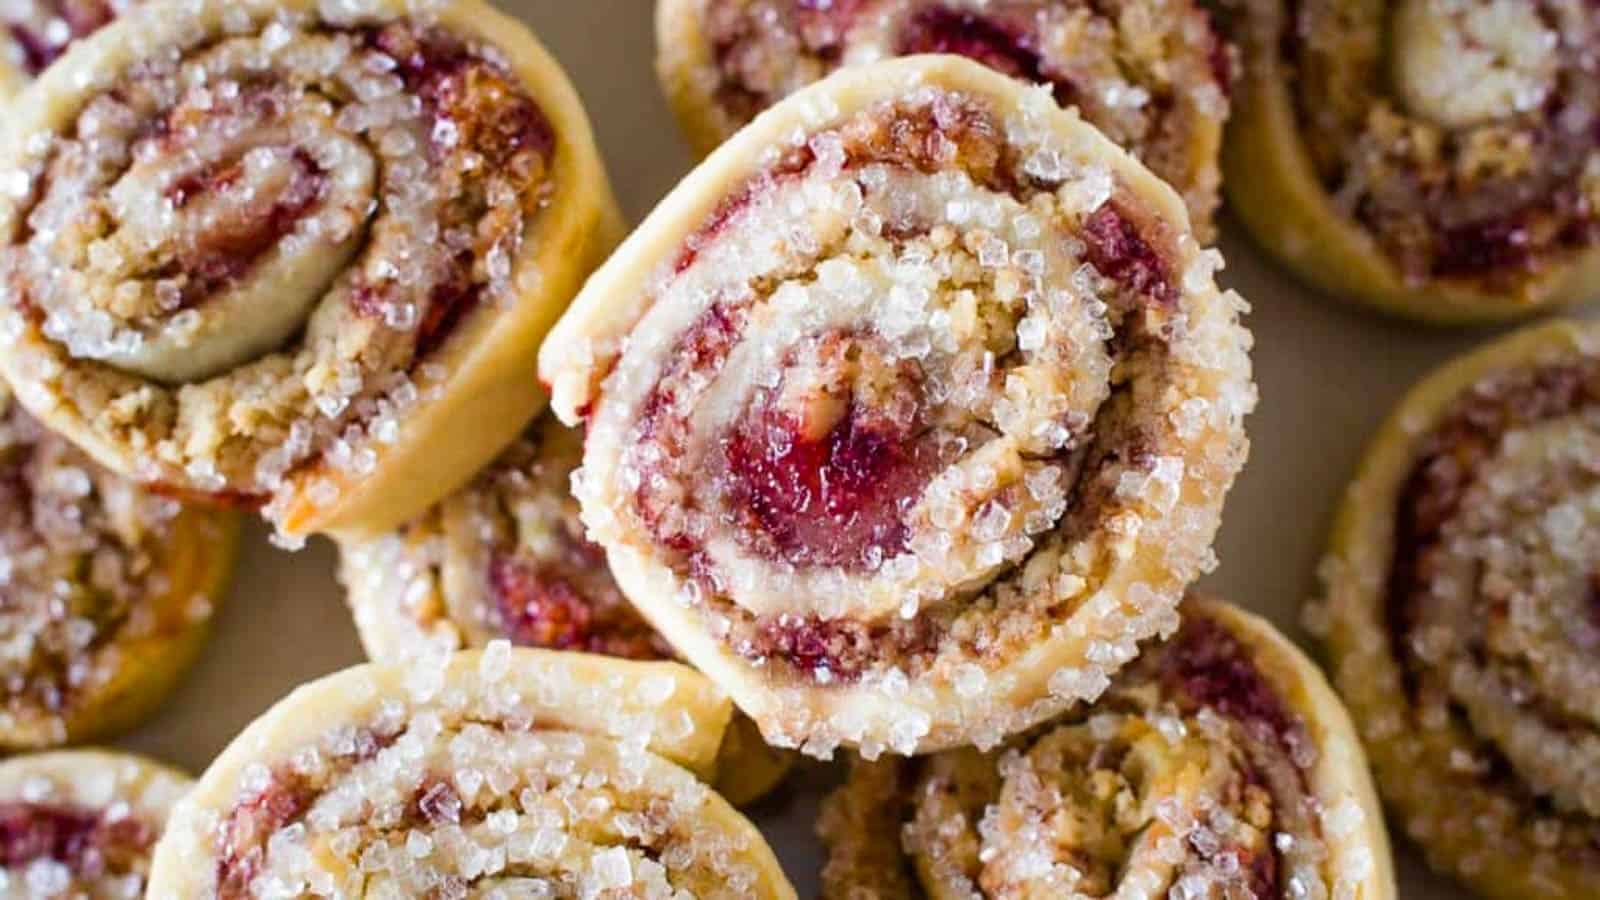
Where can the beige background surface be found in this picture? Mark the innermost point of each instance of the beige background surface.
(1327, 376)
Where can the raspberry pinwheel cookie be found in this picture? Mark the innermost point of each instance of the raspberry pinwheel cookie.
(82, 823)
(33, 33)
(494, 773)
(911, 412)
(106, 590)
(1151, 74)
(1436, 159)
(1462, 619)
(294, 254)
(1219, 765)
(506, 558)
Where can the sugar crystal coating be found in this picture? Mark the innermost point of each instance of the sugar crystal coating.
(95, 573)
(890, 443)
(233, 263)
(550, 775)
(1184, 781)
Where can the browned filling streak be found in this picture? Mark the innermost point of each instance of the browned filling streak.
(1446, 469)
(498, 130)
(568, 605)
(828, 486)
(86, 841)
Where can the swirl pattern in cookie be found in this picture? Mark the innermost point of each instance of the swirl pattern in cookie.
(1437, 159)
(34, 33)
(513, 773)
(1218, 765)
(82, 823)
(1153, 76)
(295, 254)
(1462, 619)
(506, 558)
(106, 589)
(911, 412)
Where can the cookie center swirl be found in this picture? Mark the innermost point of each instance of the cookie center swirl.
(1466, 62)
(883, 375)
(251, 245)
(1462, 134)
(214, 244)
(1497, 603)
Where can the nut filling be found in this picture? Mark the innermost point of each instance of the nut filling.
(1463, 135)
(234, 266)
(903, 403)
(1192, 777)
(1152, 75)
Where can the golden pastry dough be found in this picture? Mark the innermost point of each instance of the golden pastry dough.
(1435, 159)
(1218, 765)
(307, 253)
(526, 772)
(1461, 616)
(911, 412)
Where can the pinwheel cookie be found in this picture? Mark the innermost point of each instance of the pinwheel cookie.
(295, 254)
(1218, 765)
(82, 823)
(106, 590)
(33, 33)
(1151, 74)
(506, 558)
(911, 412)
(500, 773)
(1462, 618)
(1437, 159)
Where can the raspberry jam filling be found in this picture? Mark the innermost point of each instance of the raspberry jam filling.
(825, 469)
(1006, 48)
(253, 217)
(69, 20)
(1210, 667)
(540, 605)
(84, 840)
